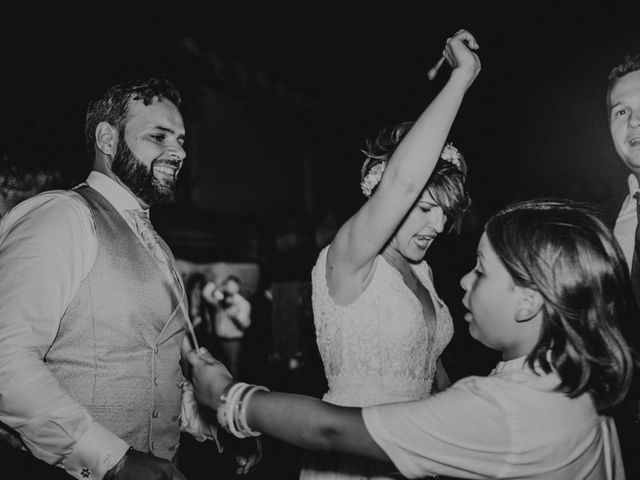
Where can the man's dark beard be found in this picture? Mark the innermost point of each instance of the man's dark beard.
(139, 178)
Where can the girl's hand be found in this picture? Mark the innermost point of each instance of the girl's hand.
(459, 54)
(208, 376)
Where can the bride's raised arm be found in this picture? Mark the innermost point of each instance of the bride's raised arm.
(363, 236)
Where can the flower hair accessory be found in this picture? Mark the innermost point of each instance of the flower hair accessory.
(371, 180)
(451, 154)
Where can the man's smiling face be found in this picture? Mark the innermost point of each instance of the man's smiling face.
(150, 152)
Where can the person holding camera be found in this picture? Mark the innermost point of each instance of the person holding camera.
(232, 318)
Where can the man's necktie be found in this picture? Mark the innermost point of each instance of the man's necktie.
(151, 241)
(635, 263)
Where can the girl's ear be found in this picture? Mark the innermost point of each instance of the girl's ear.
(529, 304)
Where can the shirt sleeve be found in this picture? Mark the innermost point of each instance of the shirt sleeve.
(191, 420)
(461, 432)
(47, 246)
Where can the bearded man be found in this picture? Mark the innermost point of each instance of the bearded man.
(92, 312)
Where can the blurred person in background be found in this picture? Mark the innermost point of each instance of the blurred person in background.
(232, 317)
(200, 311)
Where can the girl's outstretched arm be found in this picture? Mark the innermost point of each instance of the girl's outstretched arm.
(312, 424)
(304, 421)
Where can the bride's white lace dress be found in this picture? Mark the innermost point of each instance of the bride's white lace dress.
(375, 350)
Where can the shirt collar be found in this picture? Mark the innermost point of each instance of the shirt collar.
(632, 181)
(510, 365)
(115, 193)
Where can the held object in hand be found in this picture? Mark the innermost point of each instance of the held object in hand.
(431, 74)
(434, 70)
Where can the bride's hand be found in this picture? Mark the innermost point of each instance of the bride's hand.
(209, 376)
(459, 53)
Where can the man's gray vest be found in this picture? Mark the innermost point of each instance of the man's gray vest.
(118, 348)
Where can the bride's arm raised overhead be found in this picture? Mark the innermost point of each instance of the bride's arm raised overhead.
(363, 236)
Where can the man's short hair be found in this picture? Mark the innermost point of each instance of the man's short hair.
(112, 105)
(631, 63)
(232, 278)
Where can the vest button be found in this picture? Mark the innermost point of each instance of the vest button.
(155, 413)
(156, 381)
(175, 418)
(156, 350)
(153, 445)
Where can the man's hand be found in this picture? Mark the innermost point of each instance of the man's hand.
(143, 466)
(248, 453)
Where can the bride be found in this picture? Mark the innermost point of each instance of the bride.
(380, 325)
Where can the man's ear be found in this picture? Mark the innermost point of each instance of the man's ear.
(106, 139)
(529, 304)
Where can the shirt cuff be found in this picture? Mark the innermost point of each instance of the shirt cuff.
(97, 451)
(191, 420)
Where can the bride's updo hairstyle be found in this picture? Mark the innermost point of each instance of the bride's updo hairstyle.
(447, 184)
(564, 251)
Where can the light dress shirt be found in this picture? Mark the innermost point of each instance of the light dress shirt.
(232, 321)
(52, 237)
(511, 424)
(625, 228)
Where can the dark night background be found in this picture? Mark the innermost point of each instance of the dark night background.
(272, 86)
(278, 98)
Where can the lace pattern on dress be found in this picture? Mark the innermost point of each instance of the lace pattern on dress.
(376, 349)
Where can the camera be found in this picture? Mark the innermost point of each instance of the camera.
(227, 299)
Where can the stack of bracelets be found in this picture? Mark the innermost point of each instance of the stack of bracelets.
(232, 410)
